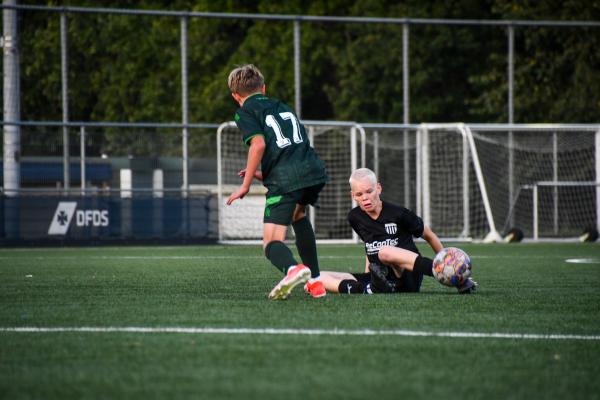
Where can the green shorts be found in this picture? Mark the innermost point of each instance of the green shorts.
(280, 209)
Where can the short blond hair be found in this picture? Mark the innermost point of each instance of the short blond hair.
(363, 174)
(245, 80)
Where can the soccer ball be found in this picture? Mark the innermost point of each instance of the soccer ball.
(452, 266)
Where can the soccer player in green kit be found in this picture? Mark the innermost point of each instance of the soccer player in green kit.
(291, 171)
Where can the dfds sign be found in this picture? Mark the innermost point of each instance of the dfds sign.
(66, 210)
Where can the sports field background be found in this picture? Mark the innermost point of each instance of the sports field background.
(536, 313)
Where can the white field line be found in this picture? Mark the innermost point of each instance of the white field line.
(583, 260)
(284, 331)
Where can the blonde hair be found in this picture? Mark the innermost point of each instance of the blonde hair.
(245, 80)
(363, 174)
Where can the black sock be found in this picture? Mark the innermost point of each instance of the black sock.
(423, 265)
(349, 286)
(280, 255)
(307, 245)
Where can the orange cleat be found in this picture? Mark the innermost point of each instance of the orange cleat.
(316, 289)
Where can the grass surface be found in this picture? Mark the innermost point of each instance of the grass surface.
(525, 289)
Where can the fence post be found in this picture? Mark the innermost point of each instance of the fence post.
(82, 158)
(535, 212)
(418, 169)
(12, 102)
(511, 73)
(64, 69)
(555, 179)
(184, 103)
(12, 113)
(597, 154)
(376, 153)
(406, 106)
(465, 186)
(297, 69)
(405, 73)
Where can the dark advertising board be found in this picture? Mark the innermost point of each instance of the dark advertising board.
(106, 219)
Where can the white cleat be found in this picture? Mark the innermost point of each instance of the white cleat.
(295, 276)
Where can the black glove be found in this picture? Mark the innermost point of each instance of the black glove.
(379, 279)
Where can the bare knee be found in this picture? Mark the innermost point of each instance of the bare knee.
(386, 254)
(397, 257)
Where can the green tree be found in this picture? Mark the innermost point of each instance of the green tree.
(556, 77)
(128, 68)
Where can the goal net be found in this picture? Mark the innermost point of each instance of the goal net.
(484, 180)
(468, 182)
(543, 178)
(340, 145)
(451, 188)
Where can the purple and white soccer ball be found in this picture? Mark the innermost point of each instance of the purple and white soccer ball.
(452, 266)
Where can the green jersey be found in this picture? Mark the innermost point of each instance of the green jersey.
(289, 162)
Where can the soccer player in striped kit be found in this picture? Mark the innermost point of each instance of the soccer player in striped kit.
(393, 263)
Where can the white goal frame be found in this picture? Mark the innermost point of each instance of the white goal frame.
(556, 184)
(423, 203)
(423, 180)
(491, 164)
(357, 142)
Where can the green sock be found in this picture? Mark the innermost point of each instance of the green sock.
(280, 255)
(307, 245)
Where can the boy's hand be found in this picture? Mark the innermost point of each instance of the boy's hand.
(242, 191)
(257, 174)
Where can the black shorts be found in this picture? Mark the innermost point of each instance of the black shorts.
(280, 209)
(409, 282)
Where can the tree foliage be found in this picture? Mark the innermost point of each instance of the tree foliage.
(128, 68)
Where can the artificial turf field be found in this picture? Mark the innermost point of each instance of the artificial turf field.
(531, 332)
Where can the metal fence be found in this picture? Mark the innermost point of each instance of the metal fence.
(542, 179)
(97, 149)
(130, 183)
(11, 59)
(77, 159)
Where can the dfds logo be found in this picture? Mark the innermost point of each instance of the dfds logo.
(64, 215)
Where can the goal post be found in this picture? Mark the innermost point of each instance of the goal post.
(492, 235)
(484, 181)
(597, 167)
(467, 181)
(546, 209)
(341, 145)
(451, 187)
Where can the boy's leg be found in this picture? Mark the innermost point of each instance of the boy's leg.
(307, 248)
(306, 244)
(281, 257)
(406, 259)
(411, 282)
(341, 282)
(275, 250)
(332, 280)
(280, 212)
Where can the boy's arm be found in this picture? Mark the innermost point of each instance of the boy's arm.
(255, 153)
(257, 174)
(430, 237)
